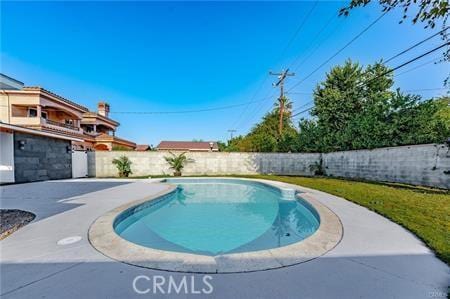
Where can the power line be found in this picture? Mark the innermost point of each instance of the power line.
(304, 105)
(426, 89)
(315, 38)
(410, 61)
(434, 60)
(388, 60)
(301, 112)
(340, 50)
(299, 28)
(246, 107)
(258, 110)
(297, 31)
(388, 72)
(416, 45)
(299, 92)
(190, 111)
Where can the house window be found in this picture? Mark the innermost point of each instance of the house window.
(89, 128)
(32, 112)
(44, 115)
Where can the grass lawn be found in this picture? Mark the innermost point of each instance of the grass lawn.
(423, 211)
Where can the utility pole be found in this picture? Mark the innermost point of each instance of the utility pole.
(281, 76)
(231, 133)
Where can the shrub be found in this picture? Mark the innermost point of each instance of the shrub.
(121, 148)
(176, 162)
(123, 165)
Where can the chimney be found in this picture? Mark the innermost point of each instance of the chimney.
(103, 109)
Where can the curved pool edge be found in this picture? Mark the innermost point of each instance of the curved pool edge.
(103, 238)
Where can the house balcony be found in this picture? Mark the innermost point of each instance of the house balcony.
(60, 125)
(46, 124)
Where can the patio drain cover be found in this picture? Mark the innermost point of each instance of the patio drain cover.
(69, 240)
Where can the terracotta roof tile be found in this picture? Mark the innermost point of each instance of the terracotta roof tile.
(37, 88)
(142, 147)
(187, 145)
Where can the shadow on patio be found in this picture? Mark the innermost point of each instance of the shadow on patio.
(49, 198)
(383, 276)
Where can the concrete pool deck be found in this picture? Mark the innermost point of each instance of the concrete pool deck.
(375, 258)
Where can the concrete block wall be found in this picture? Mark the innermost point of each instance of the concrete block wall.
(426, 165)
(42, 158)
(153, 163)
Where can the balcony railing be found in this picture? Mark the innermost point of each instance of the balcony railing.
(63, 125)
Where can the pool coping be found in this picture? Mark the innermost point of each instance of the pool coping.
(104, 239)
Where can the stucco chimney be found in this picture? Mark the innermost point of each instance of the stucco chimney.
(103, 109)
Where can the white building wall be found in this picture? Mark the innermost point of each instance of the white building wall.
(6, 157)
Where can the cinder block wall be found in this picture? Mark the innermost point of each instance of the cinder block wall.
(43, 158)
(424, 165)
(153, 163)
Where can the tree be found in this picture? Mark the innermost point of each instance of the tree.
(443, 111)
(355, 108)
(428, 11)
(265, 137)
(347, 91)
(222, 146)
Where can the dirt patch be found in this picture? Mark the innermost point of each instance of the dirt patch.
(12, 220)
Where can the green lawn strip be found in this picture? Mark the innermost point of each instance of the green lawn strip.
(423, 211)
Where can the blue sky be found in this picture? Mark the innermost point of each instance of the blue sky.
(150, 56)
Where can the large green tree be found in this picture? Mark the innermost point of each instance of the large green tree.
(356, 108)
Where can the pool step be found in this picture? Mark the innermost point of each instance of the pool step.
(287, 194)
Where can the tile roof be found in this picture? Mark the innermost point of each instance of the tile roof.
(97, 115)
(142, 147)
(38, 88)
(187, 145)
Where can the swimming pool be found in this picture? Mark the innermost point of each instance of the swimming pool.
(219, 216)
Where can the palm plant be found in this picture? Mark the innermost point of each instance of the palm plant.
(123, 165)
(176, 162)
(287, 106)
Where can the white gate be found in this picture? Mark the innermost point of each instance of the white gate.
(6, 157)
(79, 164)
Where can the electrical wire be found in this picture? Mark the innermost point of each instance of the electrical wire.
(340, 50)
(297, 31)
(416, 45)
(191, 111)
(387, 72)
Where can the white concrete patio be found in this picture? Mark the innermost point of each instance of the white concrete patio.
(375, 259)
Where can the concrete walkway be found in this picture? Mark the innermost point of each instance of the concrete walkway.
(375, 259)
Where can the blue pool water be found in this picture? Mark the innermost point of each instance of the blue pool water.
(216, 216)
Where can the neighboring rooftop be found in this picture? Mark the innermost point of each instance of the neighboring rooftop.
(45, 91)
(188, 146)
(142, 147)
(7, 82)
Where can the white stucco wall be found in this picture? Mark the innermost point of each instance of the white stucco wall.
(211, 163)
(426, 165)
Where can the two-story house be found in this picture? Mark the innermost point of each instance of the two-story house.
(40, 109)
